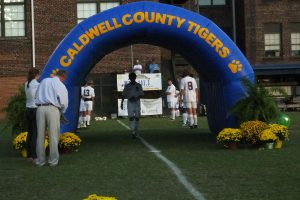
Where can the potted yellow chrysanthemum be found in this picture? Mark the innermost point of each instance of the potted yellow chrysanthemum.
(19, 143)
(252, 129)
(97, 197)
(230, 137)
(69, 142)
(267, 137)
(281, 132)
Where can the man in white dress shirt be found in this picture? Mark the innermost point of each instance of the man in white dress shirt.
(51, 99)
(137, 68)
(190, 94)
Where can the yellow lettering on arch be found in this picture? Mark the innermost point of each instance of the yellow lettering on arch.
(151, 19)
(191, 25)
(72, 52)
(210, 38)
(84, 39)
(92, 32)
(126, 19)
(102, 28)
(65, 61)
(224, 52)
(217, 44)
(203, 33)
(160, 18)
(139, 17)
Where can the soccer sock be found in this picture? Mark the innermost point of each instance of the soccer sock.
(173, 114)
(184, 117)
(195, 120)
(136, 125)
(177, 113)
(88, 118)
(191, 120)
(80, 120)
(84, 120)
(132, 125)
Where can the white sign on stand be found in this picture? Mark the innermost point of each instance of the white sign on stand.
(148, 81)
(148, 107)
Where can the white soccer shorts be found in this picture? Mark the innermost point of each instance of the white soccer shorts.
(82, 107)
(171, 104)
(190, 104)
(88, 105)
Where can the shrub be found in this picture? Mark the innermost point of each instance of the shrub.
(15, 112)
(257, 105)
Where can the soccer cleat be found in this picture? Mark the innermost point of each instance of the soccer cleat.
(195, 126)
(134, 135)
(192, 127)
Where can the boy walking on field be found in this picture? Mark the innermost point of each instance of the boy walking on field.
(133, 91)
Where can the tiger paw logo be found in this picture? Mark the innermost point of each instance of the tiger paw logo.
(235, 66)
(54, 72)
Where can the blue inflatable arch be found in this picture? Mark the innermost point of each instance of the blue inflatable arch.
(211, 52)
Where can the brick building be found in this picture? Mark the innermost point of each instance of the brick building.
(267, 31)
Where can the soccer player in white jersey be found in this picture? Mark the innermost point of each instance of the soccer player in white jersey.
(88, 95)
(133, 91)
(177, 96)
(190, 94)
(171, 98)
(82, 110)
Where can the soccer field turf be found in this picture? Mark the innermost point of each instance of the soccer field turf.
(110, 163)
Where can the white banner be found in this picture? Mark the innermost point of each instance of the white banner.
(148, 81)
(148, 107)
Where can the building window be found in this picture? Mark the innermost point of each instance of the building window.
(295, 39)
(12, 20)
(87, 8)
(272, 40)
(210, 2)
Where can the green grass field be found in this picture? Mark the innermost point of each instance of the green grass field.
(110, 163)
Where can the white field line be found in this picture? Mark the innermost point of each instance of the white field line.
(181, 178)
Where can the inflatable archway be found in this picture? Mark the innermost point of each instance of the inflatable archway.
(211, 52)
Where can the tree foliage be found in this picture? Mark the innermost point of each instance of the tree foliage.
(15, 112)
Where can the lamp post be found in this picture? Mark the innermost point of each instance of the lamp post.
(32, 34)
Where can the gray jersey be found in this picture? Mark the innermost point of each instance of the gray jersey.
(133, 91)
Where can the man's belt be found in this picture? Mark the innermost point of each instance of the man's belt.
(45, 104)
(88, 99)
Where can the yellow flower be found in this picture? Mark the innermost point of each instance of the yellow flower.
(267, 136)
(69, 140)
(252, 129)
(230, 135)
(280, 131)
(96, 197)
(19, 142)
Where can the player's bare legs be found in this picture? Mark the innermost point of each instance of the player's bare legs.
(172, 116)
(88, 117)
(195, 117)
